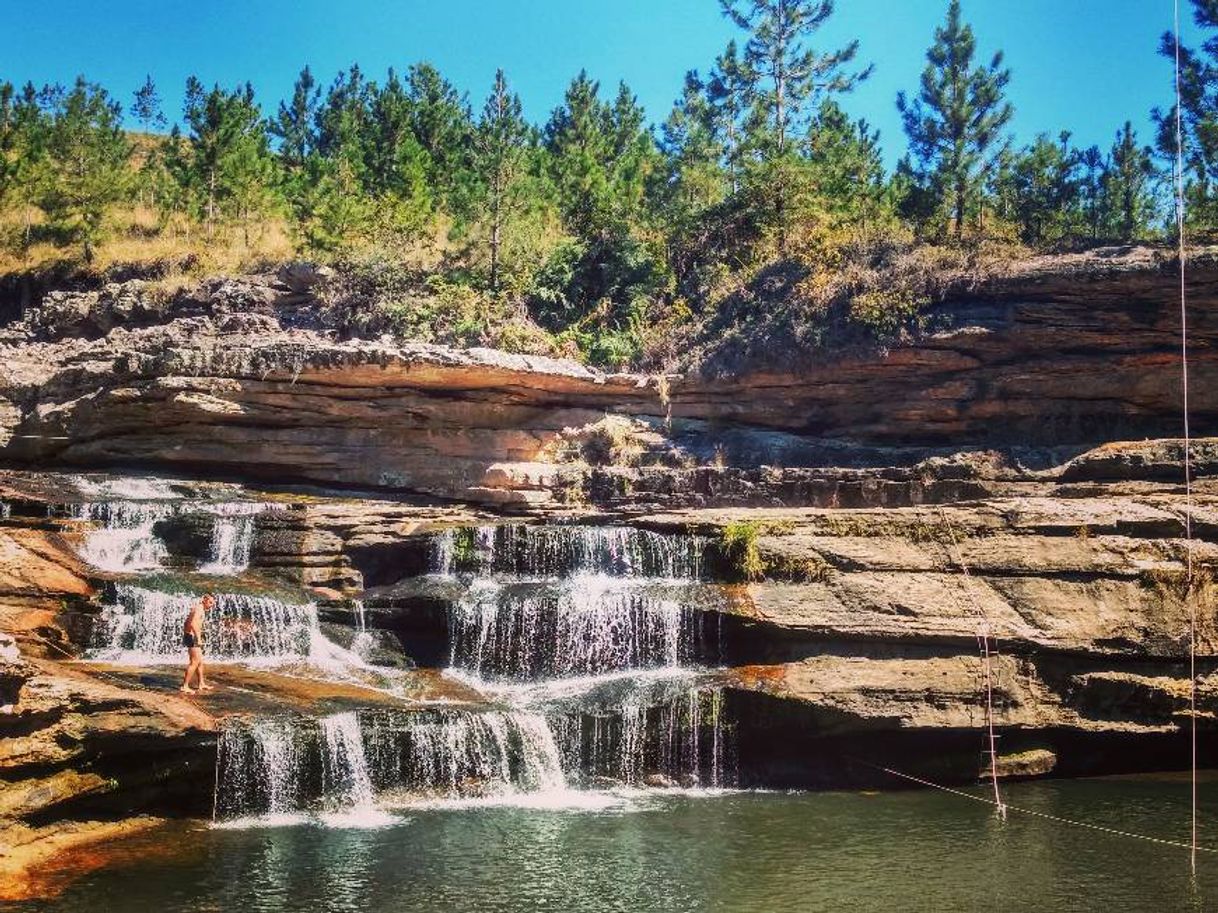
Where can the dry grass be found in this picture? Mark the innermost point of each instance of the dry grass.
(135, 236)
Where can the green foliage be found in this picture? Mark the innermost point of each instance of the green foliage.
(604, 283)
(87, 160)
(755, 220)
(885, 313)
(1199, 116)
(1127, 188)
(501, 150)
(228, 163)
(146, 106)
(738, 547)
(782, 77)
(956, 123)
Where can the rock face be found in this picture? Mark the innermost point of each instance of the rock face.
(866, 520)
(1072, 352)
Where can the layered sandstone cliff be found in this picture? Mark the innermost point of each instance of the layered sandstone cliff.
(1013, 471)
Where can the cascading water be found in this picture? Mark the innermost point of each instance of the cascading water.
(344, 765)
(350, 762)
(357, 762)
(126, 512)
(550, 551)
(145, 625)
(553, 602)
(259, 769)
(586, 625)
(583, 638)
(594, 632)
(677, 738)
(232, 537)
(124, 541)
(362, 642)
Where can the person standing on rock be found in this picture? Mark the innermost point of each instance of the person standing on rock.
(192, 640)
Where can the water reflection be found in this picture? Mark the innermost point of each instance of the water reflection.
(744, 852)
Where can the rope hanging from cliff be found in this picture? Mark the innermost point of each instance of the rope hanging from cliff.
(988, 649)
(1188, 475)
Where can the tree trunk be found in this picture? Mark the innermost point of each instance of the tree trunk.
(959, 210)
(211, 204)
(496, 231)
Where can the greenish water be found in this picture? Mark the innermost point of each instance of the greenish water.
(744, 852)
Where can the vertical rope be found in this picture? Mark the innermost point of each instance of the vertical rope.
(1188, 475)
(984, 640)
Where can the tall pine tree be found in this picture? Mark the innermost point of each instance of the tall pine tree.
(787, 77)
(501, 145)
(1199, 117)
(955, 125)
(1128, 193)
(89, 160)
(229, 164)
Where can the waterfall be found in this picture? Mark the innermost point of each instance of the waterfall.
(345, 766)
(355, 763)
(351, 761)
(441, 552)
(551, 551)
(144, 625)
(127, 510)
(124, 540)
(362, 642)
(259, 769)
(232, 537)
(676, 738)
(581, 638)
(587, 624)
(462, 753)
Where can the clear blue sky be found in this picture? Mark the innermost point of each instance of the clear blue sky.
(1084, 64)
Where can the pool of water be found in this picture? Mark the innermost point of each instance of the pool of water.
(753, 852)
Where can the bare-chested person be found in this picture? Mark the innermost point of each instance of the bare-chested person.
(192, 640)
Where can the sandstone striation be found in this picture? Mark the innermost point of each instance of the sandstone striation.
(1013, 471)
(229, 379)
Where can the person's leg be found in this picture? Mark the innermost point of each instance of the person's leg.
(203, 686)
(191, 665)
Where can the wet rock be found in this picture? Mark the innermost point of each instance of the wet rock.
(1035, 762)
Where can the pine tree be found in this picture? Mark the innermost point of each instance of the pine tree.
(633, 158)
(846, 166)
(579, 142)
(146, 107)
(23, 152)
(727, 92)
(230, 166)
(342, 120)
(443, 126)
(786, 78)
(1199, 118)
(955, 125)
(694, 179)
(1127, 186)
(501, 145)
(1040, 187)
(1092, 171)
(785, 73)
(398, 167)
(693, 153)
(294, 125)
(89, 159)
